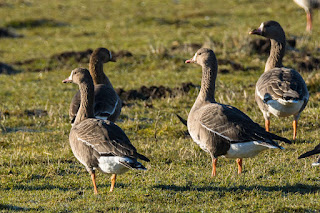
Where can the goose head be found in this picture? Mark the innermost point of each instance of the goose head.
(103, 54)
(203, 57)
(271, 30)
(78, 76)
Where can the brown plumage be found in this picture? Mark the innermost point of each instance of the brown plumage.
(96, 143)
(107, 103)
(222, 129)
(279, 91)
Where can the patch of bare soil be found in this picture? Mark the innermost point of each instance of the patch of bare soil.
(153, 92)
(69, 57)
(84, 56)
(307, 63)
(36, 112)
(122, 54)
(78, 56)
(262, 46)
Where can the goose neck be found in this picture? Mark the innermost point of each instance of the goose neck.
(277, 52)
(86, 103)
(96, 71)
(209, 75)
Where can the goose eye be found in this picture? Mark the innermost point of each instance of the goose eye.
(199, 54)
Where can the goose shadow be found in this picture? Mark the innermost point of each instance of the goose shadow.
(6, 69)
(14, 208)
(37, 187)
(295, 188)
(6, 130)
(117, 185)
(64, 189)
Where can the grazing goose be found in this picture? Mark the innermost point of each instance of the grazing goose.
(279, 91)
(308, 5)
(107, 103)
(316, 150)
(96, 143)
(222, 129)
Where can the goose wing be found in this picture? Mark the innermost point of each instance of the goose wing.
(106, 138)
(230, 123)
(106, 101)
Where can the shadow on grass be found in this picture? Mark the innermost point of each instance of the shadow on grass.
(296, 188)
(37, 187)
(294, 209)
(7, 69)
(116, 186)
(13, 208)
(102, 187)
(6, 130)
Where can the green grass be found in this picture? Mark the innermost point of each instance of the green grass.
(38, 170)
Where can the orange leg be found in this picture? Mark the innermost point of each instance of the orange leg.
(93, 177)
(295, 125)
(309, 21)
(267, 125)
(214, 163)
(239, 162)
(113, 181)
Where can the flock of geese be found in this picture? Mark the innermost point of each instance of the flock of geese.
(219, 129)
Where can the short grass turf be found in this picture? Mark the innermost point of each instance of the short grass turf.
(38, 170)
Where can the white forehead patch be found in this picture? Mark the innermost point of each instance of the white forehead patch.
(261, 26)
(70, 77)
(194, 57)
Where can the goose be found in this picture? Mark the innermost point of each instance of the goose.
(223, 130)
(316, 150)
(308, 5)
(99, 144)
(107, 103)
(279, 91)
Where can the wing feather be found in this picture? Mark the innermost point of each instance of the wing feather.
(105, 137)
(282, 83)
(235, 126)
(106, 101)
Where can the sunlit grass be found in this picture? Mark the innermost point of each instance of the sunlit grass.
(38, 170)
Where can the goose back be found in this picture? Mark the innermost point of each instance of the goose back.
(284, 85)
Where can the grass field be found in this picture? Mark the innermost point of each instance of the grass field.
(38, 171)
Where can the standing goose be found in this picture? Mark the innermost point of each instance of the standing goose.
(107, 103)
(308, 5)
(222, 129)
(316, 150)
(279, 91)
(96, 143)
